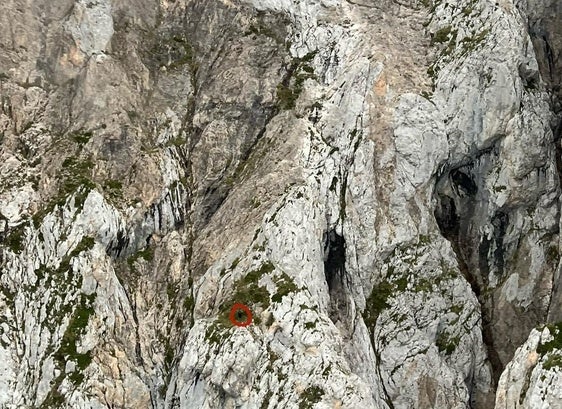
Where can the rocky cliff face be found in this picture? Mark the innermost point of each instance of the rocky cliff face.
(378, 181)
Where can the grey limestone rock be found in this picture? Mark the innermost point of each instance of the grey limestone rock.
(378, 181)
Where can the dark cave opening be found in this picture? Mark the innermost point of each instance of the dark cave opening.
(464, 182)
(500, 221)
(334, 263)
(335, 274)
(455, 204)
(446, 216)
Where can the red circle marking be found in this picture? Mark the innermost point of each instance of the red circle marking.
(236, 307)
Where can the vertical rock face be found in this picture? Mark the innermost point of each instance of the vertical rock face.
(378, 182)
(529, 380)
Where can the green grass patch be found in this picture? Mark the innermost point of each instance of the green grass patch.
(285, 286)
(81, 137)
(311, 396)
(471, 42)
(74, 177)
(447, 343)
(216, 333)
(289, 90)
(457, 309)
(402, 275)
(87, 243)
(74, 331)
(555, 343)
(554, 360)
(377, 302)
(442, 35)
(246, 290)
(147, 254)
(113, 188)
(177, 142)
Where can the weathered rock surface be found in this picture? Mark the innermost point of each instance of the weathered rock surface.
(532, 378)
(378, 181)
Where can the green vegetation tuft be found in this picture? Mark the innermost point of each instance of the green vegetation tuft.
(81, 137)
(255, 203)
(287, 96)
(377, 302)
(16, 239)
(424, 240)
(216, 333)
(285, 286)
(553, 348)
(401, 276)
(442, 35)
(289, 90)
(247, 290)
(185, 55)
(113, 184)
(447, 343)
(74, 177)
(177, 142)
(77, 324)
(235, 263)
(467, 11)
(470, 43)
(554, 360)
(75, 174)
(189, 303)
(147, 254)
(555, 343)
(114, 189)
(75, 329)
(457, 309)
(266, 400)
(87, 243)
(311, 396)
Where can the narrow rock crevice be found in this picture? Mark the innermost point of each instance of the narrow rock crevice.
(335, 275)
(334, 264)
(459, 206)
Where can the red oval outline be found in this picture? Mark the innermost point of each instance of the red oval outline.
(244, 308)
